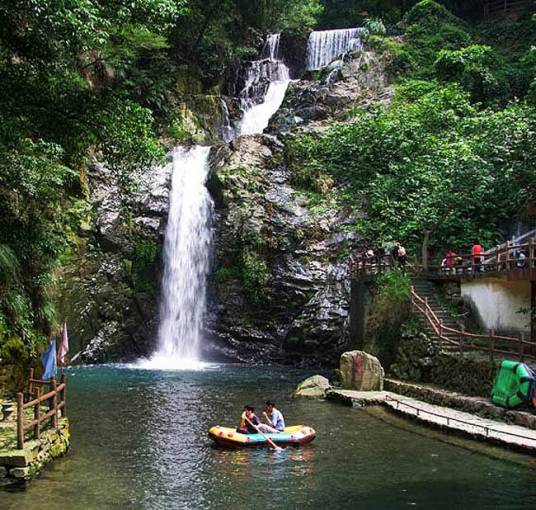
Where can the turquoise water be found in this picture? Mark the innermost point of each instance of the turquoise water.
(139, 442)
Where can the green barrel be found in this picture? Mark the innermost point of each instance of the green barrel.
(512, 385)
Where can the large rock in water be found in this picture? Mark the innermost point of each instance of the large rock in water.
(312, 387)
(361, 371)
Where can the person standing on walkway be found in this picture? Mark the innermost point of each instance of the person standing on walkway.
(451, 261)
(395, 253)
(476, 252)
(402, 256)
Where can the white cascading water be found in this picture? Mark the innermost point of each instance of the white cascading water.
(326, 45)
(227, 130)
(267, 80)
(187, 253)
(188, 238)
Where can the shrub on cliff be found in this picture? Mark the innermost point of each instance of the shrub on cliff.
(389, 310)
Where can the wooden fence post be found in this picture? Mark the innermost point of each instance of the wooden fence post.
(20, 421)
(521, 347)
(37, 414)
(63, 381)
(30, 383)
(54, 402)
(492, 346)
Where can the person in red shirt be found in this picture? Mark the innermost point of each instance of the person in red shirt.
(477, 256)
(450, 258)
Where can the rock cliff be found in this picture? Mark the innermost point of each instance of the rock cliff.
(281, 286)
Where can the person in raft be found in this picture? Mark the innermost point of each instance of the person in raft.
(246, 426)
(273, 418)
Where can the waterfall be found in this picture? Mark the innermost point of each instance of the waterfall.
(227, 131)
(187, 246)
(326, 45)
(265, 86)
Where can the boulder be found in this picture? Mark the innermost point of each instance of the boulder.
(361, 371)
(312, 387)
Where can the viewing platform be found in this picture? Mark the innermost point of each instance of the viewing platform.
(35, 431)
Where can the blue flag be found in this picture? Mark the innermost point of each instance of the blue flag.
(48, 358)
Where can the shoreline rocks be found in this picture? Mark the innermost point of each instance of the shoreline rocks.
(316, 386)
(361, 371)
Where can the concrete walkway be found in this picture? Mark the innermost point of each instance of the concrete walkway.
(512, 436)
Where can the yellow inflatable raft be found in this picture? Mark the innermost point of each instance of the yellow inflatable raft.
(296, 435)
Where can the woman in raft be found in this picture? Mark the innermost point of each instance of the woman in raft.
(247, 425)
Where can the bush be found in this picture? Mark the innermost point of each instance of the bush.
(146, 258)
(390, 308)
(255, 276)
(426, 9)
(374, 26)
(477, 69)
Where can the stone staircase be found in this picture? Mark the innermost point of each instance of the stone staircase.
(427, 290)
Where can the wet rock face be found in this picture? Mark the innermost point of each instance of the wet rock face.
(357, 80)
(110, 286)
(281, 285)
(280, 292)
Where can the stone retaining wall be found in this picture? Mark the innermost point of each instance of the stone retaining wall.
(419, 359)
(475, 405)
(19, 465)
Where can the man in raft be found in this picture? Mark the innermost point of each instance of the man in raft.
(273, 418)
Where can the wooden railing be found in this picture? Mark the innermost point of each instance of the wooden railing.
(493, 7)
(504, 257)
(56, 399)
(491, 343)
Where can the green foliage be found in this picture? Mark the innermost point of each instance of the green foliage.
(426, 9)
(433, 161)
(389, 310)
(144, 266)
(477, 68)
(255, 276)
(374, 26)
(432, 29)
(74, 82)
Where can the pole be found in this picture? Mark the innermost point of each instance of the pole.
(54, 402)
(272, 444)
(37, 414)
(63, 381)
(20, 421)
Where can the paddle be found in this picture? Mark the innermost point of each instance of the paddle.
(275, 447)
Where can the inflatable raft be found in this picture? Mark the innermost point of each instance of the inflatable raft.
(513, 385)
(292, 436)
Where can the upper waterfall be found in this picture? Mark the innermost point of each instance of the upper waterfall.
(187, 253)
(326, 45)
(265, 86)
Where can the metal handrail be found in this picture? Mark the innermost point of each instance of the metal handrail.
(450, 418)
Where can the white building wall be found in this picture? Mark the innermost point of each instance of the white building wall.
(497, 303)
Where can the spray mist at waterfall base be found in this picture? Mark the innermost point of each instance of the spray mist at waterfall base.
(162, 362)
